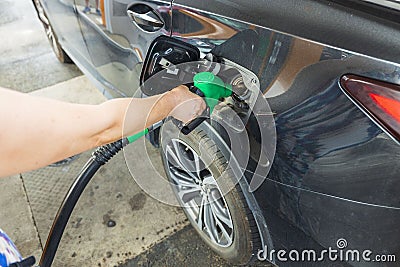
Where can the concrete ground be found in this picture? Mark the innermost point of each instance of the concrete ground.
(115, 222)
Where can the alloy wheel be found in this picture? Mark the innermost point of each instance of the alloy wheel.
(199, 193)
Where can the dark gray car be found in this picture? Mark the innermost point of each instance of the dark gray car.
(328, 72)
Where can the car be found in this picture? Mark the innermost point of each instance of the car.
(310, 157)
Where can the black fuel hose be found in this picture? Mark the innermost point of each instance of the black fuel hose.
(100, 157)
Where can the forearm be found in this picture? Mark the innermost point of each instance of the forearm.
(129, 116)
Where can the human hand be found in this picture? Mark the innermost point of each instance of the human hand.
(187, 105)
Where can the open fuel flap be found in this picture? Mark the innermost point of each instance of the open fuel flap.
(164, 54)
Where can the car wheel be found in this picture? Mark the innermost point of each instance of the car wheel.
(51, 35)
(199, 173)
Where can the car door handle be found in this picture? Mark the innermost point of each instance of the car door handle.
(147, 19)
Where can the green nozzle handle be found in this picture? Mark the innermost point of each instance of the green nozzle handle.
(212, 87)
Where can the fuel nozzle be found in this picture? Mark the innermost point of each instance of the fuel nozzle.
(212, 87)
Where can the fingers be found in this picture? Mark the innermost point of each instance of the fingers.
(189, 109)
(188, 105)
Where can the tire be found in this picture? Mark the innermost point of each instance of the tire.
(245, 239)
(51, 35)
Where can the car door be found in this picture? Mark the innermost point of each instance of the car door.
(118, 37)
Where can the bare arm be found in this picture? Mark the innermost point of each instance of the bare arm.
(37, 131)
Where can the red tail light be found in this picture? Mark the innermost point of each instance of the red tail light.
(380, 100)
(391, 106)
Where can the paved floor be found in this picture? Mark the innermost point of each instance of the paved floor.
(115, 222)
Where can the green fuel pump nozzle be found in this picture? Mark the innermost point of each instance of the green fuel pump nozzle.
(212, 88)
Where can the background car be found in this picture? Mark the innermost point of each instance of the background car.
(329, 71)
